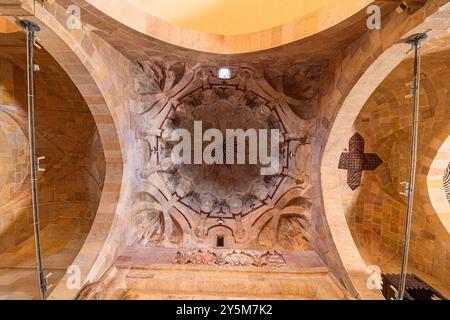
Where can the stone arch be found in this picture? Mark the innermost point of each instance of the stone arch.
(360, 83)
(65, 47)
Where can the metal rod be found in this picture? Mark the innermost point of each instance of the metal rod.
(415, 41)
(31, 29)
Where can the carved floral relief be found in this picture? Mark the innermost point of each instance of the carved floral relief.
(198, 202)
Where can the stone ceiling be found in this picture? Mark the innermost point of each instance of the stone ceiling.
(134, 84)
(227, 17)
(316, 48)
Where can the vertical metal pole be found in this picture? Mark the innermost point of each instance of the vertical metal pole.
(31, 29)
(415, 41)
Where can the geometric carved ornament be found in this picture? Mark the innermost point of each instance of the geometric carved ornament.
(191, 205)
(356, 161)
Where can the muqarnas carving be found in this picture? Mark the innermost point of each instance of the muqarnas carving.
(222, 190)
(294, 232)
(289, 227)
(155, 81)
(151, 224)
(301, 86)
(199, 202)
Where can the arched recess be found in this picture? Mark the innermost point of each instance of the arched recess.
(376, 210)
(388, 50)
(69, 189)
(99, 249)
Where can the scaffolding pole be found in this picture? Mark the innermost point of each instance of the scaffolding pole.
(31, 29)
(415, 41)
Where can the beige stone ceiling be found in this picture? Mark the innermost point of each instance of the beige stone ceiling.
(228, 17)
(374, 211)
(140, 33)
(316, 48)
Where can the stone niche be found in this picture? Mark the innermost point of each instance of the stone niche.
(222, 205)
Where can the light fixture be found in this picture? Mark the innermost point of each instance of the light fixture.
(224, 73)
(220, 221)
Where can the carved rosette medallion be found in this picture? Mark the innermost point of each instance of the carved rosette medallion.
(193, 204)
(223, 190)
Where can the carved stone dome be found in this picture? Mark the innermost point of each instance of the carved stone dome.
(222, 190)
(199, 202)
